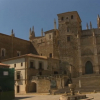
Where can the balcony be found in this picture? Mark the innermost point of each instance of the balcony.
(18, 78)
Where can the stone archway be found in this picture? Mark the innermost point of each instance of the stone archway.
(88, 68)
(33, 87)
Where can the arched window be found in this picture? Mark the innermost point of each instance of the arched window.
(3, 52)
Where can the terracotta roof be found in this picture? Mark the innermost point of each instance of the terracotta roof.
(37, 56)
(26, 55)
(1, 64)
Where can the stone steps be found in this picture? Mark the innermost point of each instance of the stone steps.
(89, 83)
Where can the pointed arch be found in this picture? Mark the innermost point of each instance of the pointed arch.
(88, 67)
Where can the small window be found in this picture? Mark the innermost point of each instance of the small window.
(71, 16)
(14, 65)
(49, 36)
(66, 17)
(18, 53)
(40, 65)
(50, 55)
(21, 64)
(62, 18)
(18, 75)
(2, 52)
(68, 38)
(31, 64)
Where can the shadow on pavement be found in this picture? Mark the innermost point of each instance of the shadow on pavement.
(20, 98)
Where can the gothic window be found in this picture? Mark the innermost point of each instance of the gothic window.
(3, 51)
(68, 38)
(71, 16)
(18, 53)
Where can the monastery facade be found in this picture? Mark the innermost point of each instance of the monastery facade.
(74, 49)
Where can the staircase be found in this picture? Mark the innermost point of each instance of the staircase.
(89, 83)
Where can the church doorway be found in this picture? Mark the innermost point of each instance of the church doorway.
(88, 68)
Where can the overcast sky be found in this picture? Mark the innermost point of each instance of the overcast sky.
(21, 15)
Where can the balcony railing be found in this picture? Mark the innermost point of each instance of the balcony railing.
(48, 77)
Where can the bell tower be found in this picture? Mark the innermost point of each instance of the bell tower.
(69, 26)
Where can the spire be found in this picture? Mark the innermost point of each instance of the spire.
(12, 33)
(87, 27)
(42, 32)
(90, 25)
(30, 31)
(98, 21)
(54, 23)
(33, 28)
(98, 16)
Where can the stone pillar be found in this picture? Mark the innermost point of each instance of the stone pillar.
(96, 67)
(79, 83)
(79, 55)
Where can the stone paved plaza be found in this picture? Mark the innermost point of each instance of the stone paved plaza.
(92, 96)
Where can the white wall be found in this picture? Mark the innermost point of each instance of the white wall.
(37, 60)
(18, 66)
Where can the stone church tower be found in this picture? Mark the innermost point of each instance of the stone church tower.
(69, 38)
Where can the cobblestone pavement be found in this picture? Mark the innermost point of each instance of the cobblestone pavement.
(93, 96)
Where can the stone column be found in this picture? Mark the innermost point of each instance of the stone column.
(96, 67)
(79, 55)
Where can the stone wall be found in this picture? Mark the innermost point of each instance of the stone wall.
(12, 45)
